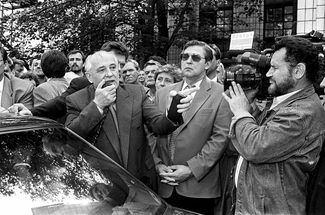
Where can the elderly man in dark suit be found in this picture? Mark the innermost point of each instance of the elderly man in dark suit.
(188, 159)
(112, 116)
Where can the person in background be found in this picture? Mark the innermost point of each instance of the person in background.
(54, 65)
(142, 78)
(30, 77)
(130, 72)
(37, 69)
(13, 89)
(157, 60)
(216, 70)
(76, 60)
(166, 75)
(17, 67)
(150, 68)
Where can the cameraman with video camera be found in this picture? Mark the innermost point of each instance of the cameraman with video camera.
(280, 146)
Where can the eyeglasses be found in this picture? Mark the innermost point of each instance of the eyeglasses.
(195, 57)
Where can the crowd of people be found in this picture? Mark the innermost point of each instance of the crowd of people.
(218, 153)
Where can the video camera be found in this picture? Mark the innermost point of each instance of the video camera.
(248, 68)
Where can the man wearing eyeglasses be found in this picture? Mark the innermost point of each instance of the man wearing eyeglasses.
(187, 160)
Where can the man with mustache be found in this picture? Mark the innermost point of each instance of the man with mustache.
(76, 61)
(279, 147)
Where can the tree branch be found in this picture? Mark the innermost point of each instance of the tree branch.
(178, 25)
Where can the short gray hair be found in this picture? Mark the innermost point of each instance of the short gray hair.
(97, 56)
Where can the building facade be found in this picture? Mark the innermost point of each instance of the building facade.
(269, 20)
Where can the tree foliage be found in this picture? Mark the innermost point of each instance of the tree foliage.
(148, 27)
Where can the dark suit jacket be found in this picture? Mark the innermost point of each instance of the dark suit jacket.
(200, 141)
(16, 90)
(133, 110)
(56, 108)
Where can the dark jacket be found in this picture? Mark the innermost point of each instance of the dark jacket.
(316, 188)
(56, 108)
(133, 110)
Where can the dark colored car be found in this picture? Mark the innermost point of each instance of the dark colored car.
(46, 168)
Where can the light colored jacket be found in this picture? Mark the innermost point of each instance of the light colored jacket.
(200, 141)
(48, 90)
(16, 90)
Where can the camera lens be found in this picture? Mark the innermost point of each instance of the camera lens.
(245, 75)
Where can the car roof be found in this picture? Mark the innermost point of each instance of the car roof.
(16, 123)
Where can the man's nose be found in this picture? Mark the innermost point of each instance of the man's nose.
(108, 73)
(269, 73)
(322, 84)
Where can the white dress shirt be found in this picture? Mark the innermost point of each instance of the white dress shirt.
(1, 89)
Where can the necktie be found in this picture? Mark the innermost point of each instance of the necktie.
(173, 135)
(112, 109)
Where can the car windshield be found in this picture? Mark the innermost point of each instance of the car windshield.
(54, 171)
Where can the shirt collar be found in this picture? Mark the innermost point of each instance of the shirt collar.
(279, 99)
(1, 88)
(197, 84)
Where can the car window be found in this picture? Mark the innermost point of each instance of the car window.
(54, 171)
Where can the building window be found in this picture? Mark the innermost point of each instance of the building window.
(278, 21)
(224, 20)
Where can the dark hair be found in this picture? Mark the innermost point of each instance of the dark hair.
(54, 64)
(206, 48)
(158, 59)
(16, 61)
(3, 54)
(300, 50)
(217, 51)
(30, 76)
(151, 63)
(76, 51)
(169, 69)
(117, 47)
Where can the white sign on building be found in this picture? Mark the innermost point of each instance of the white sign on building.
(239, 41)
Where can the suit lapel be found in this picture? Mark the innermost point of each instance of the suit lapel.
(109, 128)
(200, 97)
(6, 99)
(124, 103)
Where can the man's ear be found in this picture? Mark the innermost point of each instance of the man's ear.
(88, 76)
(207, 65)
(299, 71)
